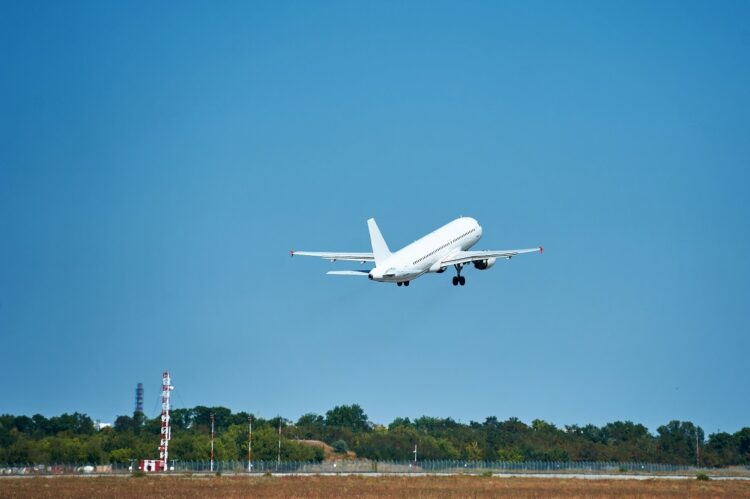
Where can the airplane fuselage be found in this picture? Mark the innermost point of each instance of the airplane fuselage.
(425, 254)
(445, 247)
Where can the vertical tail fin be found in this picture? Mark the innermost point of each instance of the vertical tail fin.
(379, 249)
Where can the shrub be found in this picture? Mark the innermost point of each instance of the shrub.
(703, 477)
(340, 446)
(487, 473)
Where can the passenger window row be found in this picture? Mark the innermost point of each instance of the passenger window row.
(442, 247)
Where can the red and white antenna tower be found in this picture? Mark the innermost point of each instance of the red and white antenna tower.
(166, 430)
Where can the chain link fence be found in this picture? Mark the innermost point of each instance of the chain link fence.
(364, 466)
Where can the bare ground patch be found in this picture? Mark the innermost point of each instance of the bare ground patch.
(362, 487)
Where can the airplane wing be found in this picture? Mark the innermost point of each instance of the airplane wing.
(333, 256)
(462, 257)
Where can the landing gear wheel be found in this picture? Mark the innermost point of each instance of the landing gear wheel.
(406, 283)
(458, 278)
(398, 284)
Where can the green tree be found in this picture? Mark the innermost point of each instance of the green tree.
(399, 422)
(721, 448)
(511, 454)
(677, 441)
(311, 427)
(123, 455)
(472, 452)
(742, 438)
(22, 450)
(348, 416)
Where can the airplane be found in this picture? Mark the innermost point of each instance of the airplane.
(434, 253)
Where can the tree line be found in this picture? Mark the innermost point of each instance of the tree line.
(73, 438)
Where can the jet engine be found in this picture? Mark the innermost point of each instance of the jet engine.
(485, 264)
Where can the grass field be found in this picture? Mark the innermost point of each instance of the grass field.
(359, 486)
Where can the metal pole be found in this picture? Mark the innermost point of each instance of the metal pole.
(278, 458)
(212, 443)
(250, 445)
(697, 450)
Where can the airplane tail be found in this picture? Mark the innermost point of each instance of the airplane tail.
(379, 249)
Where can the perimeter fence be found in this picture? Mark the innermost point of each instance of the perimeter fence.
(362, 466)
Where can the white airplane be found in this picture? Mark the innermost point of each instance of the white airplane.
(435, 252)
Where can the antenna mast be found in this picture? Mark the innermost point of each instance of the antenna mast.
(166, 430)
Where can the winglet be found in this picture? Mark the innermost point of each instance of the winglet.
(541, 250)
(291, 252)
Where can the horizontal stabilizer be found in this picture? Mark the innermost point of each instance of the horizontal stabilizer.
(348, 272)
(333, 256)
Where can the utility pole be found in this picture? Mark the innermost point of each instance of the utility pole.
(250, 445)
(212, 443)
(278, 458)
(415, 454)
(697, 451)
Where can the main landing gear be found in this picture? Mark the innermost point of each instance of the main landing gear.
(405, 283)
(458, 278)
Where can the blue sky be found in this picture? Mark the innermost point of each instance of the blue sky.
(157, 163)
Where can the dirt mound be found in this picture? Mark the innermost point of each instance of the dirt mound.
(330, 454)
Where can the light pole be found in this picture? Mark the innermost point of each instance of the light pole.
(212, 443)
(250, 444)
(278, 457)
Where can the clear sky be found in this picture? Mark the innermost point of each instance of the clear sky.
(158, 162)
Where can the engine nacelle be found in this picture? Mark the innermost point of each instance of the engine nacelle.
(485, 264)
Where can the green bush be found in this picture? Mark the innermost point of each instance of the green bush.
(340, 446)
(487, 473)
(703, 477)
